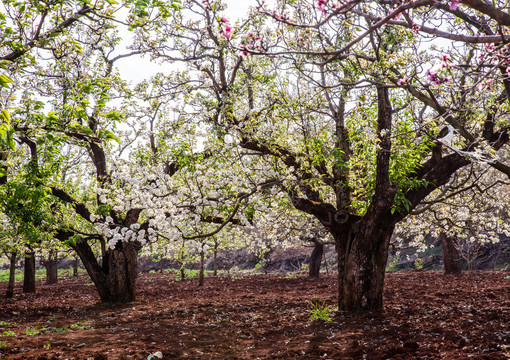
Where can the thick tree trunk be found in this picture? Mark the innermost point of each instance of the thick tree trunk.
(115, 281)
(314, 267)
(12, 276)
(29, 273)
(51, 265)
(451, 257)
(123, 272)
(361, 276)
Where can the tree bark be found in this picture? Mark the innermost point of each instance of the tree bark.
(12, 276)
(94, 270)
(51, 265)
(451, 257)
(123, 270)
(75, 265)
(29, 273)
(314, 267)
(361, 266)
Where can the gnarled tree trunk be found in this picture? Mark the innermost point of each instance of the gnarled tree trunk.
(51, 265)
(451, 256)
(115, 281)
(123, 270)
(361, 267)
(314, 266)
(29, 273)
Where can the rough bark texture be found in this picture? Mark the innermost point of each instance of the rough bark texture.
(51, 265)
(314, 267)
(451, 256)
(122, 273)
(362, 276)
(9, 293)
(29, 273)
(362, 242)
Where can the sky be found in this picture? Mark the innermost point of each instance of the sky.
(137, 68)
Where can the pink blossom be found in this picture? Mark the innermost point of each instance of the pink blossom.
(250, 34)
(321, 5)
(446, 62)
(508, 70)
(435, 78)
(454, 4)
(486, 85)
(227, 32)
(402, 81)
(224, 20)
(416, 28)
(399, 15)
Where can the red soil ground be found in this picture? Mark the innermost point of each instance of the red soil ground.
(427, 315)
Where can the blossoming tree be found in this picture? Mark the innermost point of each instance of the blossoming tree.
(396, 101)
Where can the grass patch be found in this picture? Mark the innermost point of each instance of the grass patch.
(39, 274)
(320, 311)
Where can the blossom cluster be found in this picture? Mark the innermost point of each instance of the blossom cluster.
(250, 43)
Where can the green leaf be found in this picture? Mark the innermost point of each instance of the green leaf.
(52, 116)
(5, 81)
(10, 139)
(7, 117)
(80, 128)
(108, 135)
(114, 115)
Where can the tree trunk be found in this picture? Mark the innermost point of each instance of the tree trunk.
(314, 267)
(12, 276)
(215, 259)
(94, 270)
(123, 270)
(161, 261)
(29, 273)
(361, 267)
(201, 275)
(75, 265)
(115, 281)
(51, 265)
(451, 257)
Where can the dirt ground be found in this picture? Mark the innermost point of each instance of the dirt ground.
(427, 315)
